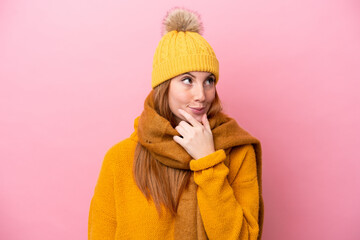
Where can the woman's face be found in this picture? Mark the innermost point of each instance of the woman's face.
(192, 92)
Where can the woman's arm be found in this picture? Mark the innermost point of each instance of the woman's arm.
(102, 215)
(229, 211)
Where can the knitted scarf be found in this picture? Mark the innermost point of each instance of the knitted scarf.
(155, 133)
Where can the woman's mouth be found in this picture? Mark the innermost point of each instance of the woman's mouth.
(197, 111)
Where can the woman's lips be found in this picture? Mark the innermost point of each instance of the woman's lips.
(198, 111)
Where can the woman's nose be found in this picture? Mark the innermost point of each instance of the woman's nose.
(199, 93)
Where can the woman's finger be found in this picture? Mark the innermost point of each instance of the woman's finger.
(179, 140)
(181, 130)
(186, 126)
(206, 123)
(190, 118)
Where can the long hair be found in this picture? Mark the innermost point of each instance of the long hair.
(155, 180)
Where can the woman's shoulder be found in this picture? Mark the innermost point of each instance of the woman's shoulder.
(121, 152)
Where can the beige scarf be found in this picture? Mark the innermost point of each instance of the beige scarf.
(156, 134)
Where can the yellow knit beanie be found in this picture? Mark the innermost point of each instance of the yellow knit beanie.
(182, 49)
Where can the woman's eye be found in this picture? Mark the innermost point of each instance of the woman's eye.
(186, 80)
(210, 81)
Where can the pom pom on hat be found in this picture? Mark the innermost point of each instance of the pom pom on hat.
(181, 19)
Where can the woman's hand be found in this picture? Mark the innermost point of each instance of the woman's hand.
(197, 138)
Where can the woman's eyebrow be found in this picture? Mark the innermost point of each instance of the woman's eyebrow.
(188, 73)
(211, 74)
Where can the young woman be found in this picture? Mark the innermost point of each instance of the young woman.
(188, 171)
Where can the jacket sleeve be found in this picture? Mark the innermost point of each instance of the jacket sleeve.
(229, 210)
(102, 215)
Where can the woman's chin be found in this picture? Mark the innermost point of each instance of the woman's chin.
(195, 116)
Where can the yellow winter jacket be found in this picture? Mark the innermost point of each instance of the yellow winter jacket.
(118, 209)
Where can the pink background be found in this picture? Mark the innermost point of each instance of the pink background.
(74, 75)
